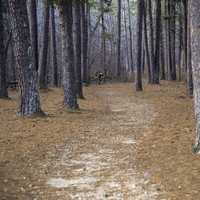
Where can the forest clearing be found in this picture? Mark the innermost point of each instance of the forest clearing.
(119, 145)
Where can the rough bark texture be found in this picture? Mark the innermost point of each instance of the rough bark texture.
(103, 38)
(185, 39)
(78, 40)
(147, 45)
(54, 47)
(3, 84)
(130, 37)
(170, 41)
(33, 24)
(180, 46)
(44, 48)
(173, 38)
(189, 62)
(151, 35)
(66, 18)
(195, 44)
(157, 43)
(162, 54)
(26, 71)
(119, 40)
(85, 42)
(140, 10)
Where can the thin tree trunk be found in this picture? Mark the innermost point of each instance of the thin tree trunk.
(173, 39)
(180, 45)
(151, 36)
(185, 5)
(189, 61)
(130, 37)
(140, 9)
(54, 47)
(157, 44)
(126, 37)
(147, 45)
(103, 38)
(162, 54)
(44, 48)
(166, 40)
(170, 42)
(119, 40)
(162, 47)
(85, 42)
(78, 40)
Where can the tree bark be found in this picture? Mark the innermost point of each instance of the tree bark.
(130, 37)
(103, 38)
(173, 38)
(119, 40)
(162, 54)
(151, 35)
(185, 39)
(78, 40)
(147, 45)
(140, 9)
(195, 44)
(26, 71)
(33, 24)
(44, 48)
(66, 18)
(189, 60)
(54, 47)
(3, 84)
(180, 19)
(85, 42)
(157, 44)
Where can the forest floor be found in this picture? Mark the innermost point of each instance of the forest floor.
(121, 145)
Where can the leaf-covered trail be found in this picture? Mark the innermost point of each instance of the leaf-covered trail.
(101, 163)
(112, 148)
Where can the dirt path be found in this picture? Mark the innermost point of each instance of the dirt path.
(102, 166)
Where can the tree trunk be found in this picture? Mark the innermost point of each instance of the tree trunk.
(162, 54)
(85, 42)
(180, 45)
(78, 40)
(66, 18)
(103, 38)
(166, 40)
(126, 37)
(170, 41)
(26, 70)
(147, 45)
(151, 36)
(131, 35)
(33, 24)
(195, 44)
(157, 44)
(119, 40)
(3, 84)
(173, 38)
(44, 48)
(54, 47)
(185, 39)
(189, 61)
(140, 9)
